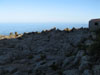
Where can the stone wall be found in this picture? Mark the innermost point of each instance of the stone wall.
(94, 25)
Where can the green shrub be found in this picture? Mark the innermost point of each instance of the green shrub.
(67, 29)
(16, 34)
(11, 33)
(54, 66)
(82, 46)
(94, 49)
(43, 56)
(30, 56)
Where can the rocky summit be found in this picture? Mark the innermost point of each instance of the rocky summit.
(50, 52)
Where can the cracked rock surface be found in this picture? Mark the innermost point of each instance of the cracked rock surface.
(51, 52)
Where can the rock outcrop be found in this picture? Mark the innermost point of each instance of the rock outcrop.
(52, 52)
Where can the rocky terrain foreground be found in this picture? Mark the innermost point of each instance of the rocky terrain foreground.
(51, 52)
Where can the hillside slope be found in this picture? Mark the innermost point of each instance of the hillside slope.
(52, 52)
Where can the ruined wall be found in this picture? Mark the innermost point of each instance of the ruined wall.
(94, 25)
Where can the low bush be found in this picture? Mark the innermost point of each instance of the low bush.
(94, 49)
(16, 34)
(11, 34)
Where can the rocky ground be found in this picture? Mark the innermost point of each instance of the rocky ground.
(51, 52)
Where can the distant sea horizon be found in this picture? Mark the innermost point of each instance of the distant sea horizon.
(5, 29)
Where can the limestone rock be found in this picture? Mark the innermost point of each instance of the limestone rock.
(71, 72)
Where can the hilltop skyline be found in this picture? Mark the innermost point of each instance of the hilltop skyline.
(63, 11)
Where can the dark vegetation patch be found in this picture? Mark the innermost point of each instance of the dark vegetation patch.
(94, 49)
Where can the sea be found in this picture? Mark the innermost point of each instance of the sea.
(6, 28)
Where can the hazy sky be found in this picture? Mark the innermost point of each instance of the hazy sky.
(30, 11)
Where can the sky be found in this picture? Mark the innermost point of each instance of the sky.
(38, 11)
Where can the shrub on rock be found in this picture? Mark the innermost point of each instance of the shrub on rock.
(16, 34)
(11, 33)
(94, 49)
